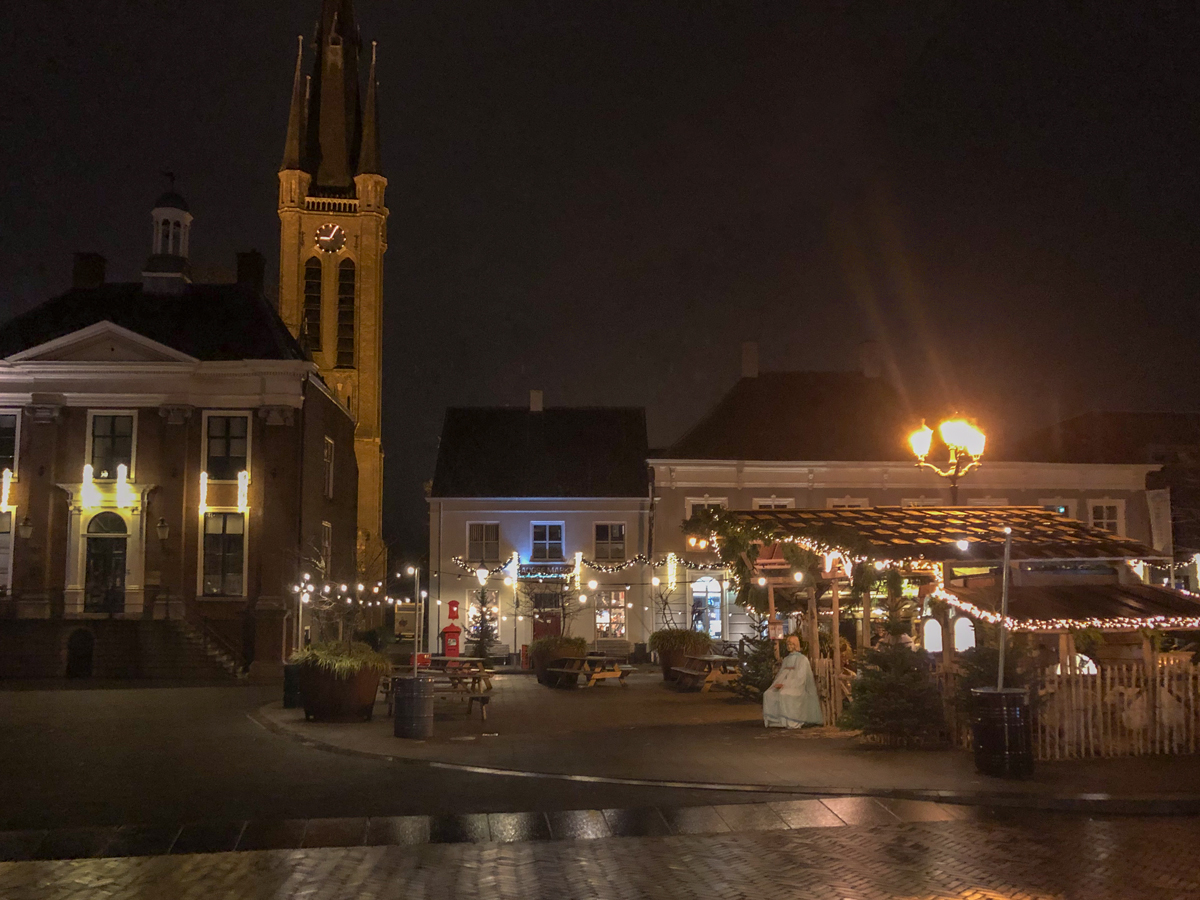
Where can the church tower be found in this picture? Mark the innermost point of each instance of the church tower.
(332, 237)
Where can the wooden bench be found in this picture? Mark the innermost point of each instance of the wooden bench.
(482, 700)
(689, 678)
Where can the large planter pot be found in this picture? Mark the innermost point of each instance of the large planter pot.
(671, 659)
(330, 698)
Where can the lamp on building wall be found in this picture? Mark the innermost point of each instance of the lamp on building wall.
(25, 529)
(163, 529)
(965, 443)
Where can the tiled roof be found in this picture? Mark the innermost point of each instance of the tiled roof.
(802, 416)
(933, 532)
(559, 452)
(207, 321)
(1117, 437)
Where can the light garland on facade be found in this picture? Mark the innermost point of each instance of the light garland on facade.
(124, 492)
(672, 572)
(583, 563)
(203, 504)
(5, 490)
(243, 495)
(89, 494)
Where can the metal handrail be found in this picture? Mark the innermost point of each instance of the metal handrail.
(207, 633)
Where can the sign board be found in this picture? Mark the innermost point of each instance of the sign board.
(775, 631)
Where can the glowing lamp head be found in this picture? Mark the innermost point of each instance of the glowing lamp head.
(762, 582)
(411, 570)
(481, 575)
(507, 581)
(593, 584)
(798, 576)
(656, 581)
(964, 546)
(921, 440)
(692, 541)
(583, 598)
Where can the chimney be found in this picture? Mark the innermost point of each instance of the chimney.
(251, 268)
(750, 359)
(871, 359)
(535, 401)
(88, 271)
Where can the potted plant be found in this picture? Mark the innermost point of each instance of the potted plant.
(545, 650)
(338, 681)
(675, 645)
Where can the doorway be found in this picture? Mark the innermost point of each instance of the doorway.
(104, 585)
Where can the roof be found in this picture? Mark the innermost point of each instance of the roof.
(207, 321)
(171, 200)
(802, 416)
(559, 452)
(933, 533)
(1085, 603)
(1117, 437)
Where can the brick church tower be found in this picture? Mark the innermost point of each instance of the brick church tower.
(333, 234)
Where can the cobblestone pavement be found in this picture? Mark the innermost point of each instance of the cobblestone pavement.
(1013, 856)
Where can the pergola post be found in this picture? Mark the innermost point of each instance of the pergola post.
(814, 628)
(771, 617)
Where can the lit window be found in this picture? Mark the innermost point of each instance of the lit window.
(706, 607)
(547, 542)
(964, 633)
(227, 447)
(610, 541)
(112, 445)
(224, 554)
(931, 635)
(8, 443)
(610, 614)
(483, 541)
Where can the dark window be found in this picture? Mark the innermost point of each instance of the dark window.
(8, 443)
(311, 329)
(329, 467)
(224, 558)
(226, 447)
(547, 542)
(547, 600)
(483, 541)
(345, 320)
(112, 445)
(326, 547)
(610, 541)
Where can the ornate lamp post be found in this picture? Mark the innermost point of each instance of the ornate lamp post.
(965, 443)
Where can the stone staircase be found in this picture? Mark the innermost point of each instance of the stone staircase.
(177, 650)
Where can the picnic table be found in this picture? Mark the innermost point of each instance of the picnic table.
(464, 677)
(705, 671)
(595, 668)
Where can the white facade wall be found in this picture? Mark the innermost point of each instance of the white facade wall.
(449, 520)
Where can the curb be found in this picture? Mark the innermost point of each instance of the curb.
(1088, 803)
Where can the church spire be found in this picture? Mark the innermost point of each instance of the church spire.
(293, 145)
(334, 127)
(368, 158)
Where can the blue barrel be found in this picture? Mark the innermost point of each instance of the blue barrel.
(1002, 731)
(413, 696)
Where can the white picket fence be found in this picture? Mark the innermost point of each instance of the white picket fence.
(1130, 710)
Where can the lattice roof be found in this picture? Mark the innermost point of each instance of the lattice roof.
(934, 532)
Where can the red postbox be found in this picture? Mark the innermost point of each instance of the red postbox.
(452, 606)
(450, 640)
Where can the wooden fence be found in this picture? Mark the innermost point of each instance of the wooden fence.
(1130, 710)
(833, 691)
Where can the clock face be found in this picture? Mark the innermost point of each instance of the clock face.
(331, 238)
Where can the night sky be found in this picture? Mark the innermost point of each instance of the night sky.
(603, 200)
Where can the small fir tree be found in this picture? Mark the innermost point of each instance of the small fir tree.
(894, 697)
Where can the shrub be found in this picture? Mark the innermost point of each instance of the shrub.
(667, 639)
(894, 697)
(376, 638)
(342, 660)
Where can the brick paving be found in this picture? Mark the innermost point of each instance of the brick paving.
(1013, 855)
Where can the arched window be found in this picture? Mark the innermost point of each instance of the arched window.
(706, 606)
(164, 240)
(345, 317)
(106, 523)
(931, 635)
(311, 328)
(964, 633)
(177, 239)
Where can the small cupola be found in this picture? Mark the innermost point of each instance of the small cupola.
(168, 270)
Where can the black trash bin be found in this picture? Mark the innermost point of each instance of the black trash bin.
(413, 695)
(291, 685)
(1002, 728)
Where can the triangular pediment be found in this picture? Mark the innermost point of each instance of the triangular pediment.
(102, 342)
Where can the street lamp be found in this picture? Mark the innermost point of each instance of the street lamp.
(415, 572)
(965, 443)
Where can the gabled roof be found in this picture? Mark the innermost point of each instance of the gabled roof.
(205, 321)
(559, 452)
(1117, 437)
(933, 533)
(802, 416)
